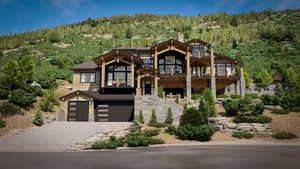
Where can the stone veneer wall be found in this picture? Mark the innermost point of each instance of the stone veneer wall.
(77, 85)
(147, 103)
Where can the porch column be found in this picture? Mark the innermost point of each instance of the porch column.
(103, 75)
(212, 73)
(138, 89)
(156, 86)
(188, 76)
(132, 74)
(155, 58)
(242, 83)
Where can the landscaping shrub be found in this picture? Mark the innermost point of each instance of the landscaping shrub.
(222, 96)
(241, 135)
(252, 119)
(141, 117)
(290, 100)
(177, 99)
(189, 132)
(210, 100)
(170, 130)
(153, 118)
(258, 109)
(38, 119)
(7, 109)
(193, 117)
(153, 141)
(251, 96)
(169, 119)
(20, 98)
(2, 123)
(280, 111)
(235, 96)
(270, 100)
(295, 109)
(196, 96)
(150, 132)
(48, 102)
(158, 125)
(284, 135)
(113, 143)
(137, 141)
(135, 128)
(160, 92)
(231, 107)
(34, 90)
(4, 94)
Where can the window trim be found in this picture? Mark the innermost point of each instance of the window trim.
(81, 74)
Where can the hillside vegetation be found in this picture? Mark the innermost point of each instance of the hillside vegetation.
(265, 42)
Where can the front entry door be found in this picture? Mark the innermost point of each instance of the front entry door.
(148, 88)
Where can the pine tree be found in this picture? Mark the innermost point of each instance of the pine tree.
(234, 44)
(141, 117)
(153, 119)
(169, 119)
(234, 21)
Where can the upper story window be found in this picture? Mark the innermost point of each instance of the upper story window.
(170, 65)
(198, 50)
(148, 62)
(88, 77)
(224, 68)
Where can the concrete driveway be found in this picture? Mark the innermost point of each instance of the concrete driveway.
(55, 137)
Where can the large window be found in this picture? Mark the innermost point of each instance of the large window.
(88, 77)
(118, 75)
(170, 65)
(198, 51)
(224, 68)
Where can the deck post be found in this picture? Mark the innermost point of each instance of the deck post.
(138, 89)
(155, 86)
(188, 76)
(212, 74)
(242, 83)
(103, 74)
(132, 73)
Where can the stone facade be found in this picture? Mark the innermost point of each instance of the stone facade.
(77, 85)
(147, 103)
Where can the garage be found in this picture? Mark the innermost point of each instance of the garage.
(114, 108)
(78, 111)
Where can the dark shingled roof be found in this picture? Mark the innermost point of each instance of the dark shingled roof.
(100, 97)
(86, 65)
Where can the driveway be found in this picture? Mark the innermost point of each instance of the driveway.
(179, 157)
(55, 137)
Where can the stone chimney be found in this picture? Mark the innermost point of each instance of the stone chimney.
(180, 37)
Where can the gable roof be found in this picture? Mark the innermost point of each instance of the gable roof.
(177, 44)
(110, 55)
(86, 65)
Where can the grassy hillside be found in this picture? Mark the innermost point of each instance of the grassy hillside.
(266, 40)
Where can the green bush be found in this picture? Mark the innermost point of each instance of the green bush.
(158, 125)
(196, 96)
(222, 96)
(231, 107)
(20, 98)
(4, 94)
(169, 119)
(153, 118)
(48, 102)
(241, 135)
(34, 90)
(295, 109)
(160, 92)
(135, 128)
(141, 117)
(177, 99)
(235, 96)
(153, 141)
(284, 135)
(270, 100)
(113, 143)
(280, 111)
(193, 117)
(251, 96)
(38, 119)
(2, 123)
(252, 119)
(170, 130)
(150, 132)
(137, 141)
(189, 132)
(290, 100)
(7, 109)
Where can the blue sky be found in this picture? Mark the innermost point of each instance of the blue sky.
(27, 15)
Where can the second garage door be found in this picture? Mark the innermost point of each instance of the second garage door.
(114, 111)
(78, 111)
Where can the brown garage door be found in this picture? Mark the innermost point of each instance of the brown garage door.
(78, 111)
(114, 111)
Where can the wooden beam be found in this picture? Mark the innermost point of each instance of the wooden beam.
(163, 51)
(132, 74)
(125, 61)
(112, 61)
(155, 58)
(180, 51)
(103, 74)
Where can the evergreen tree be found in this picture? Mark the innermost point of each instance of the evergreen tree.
(12, 74)
(234, 21)
(129, 33)
(141, 117)
(234, 44)
(265, 78)
(169, 119)
(153, 119)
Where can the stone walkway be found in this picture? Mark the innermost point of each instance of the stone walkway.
(55, 137)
